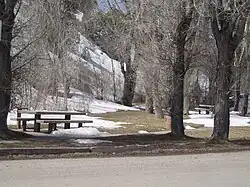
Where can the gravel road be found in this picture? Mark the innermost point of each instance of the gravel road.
(208, 170)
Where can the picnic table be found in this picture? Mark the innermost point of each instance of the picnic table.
(207, 108)
(52, 121)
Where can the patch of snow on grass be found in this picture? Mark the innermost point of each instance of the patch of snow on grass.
(189, 127)
(203, 119)
(91, 141)
(97, 106)
(80, 132)
(143, 132)
(123, 123)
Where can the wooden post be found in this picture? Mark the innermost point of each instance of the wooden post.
(79, 125)
(37, 126)
(67, 125)
(55, 127)
(51, 127)
(24, 125)
(18, 122)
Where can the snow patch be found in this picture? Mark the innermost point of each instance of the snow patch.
(123, 123)
(97, 106)
(189, 127)
(91, 141)
(207, 121)
(83, 132)
(143, 132)
(79, 16)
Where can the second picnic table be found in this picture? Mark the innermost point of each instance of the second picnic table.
(38, 117)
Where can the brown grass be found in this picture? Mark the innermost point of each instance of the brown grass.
(139, 120)
(235, 133)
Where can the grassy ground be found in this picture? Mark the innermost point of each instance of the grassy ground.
(33, 143)
(147, 122)
(235, 133)
(138, 120)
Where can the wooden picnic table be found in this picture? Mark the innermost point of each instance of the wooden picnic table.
(38, 116)
(207, 108)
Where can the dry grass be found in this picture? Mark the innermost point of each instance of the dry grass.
(139, 120)
(34, 143)
(235, 133)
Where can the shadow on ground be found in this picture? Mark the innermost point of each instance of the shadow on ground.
(121, 145)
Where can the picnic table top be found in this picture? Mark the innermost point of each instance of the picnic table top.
(63, 121)
(207, 106)
(51, 112)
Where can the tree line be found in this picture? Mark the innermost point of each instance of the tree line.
(163, 48)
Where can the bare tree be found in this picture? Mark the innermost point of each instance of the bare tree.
(228, 25)
(186, 13)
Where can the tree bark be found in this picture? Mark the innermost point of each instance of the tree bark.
(221, 118)
(156, 98)
(186, 105)
(228, 31)
(177, 126)
(130, 76)
(245, 105)
(7, 17)
(5, 84)
(237, 90)
(149, 100)
(247, 85)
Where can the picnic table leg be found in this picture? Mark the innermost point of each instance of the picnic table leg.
(24, 125)
(67, 125)
(51, 127)
(55, 127)
(207, 112)
(18, 122)
(199, 111)
(79, 125)
(37, 126)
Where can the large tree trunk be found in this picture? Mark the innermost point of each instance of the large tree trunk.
(228, 29)
(245, 104)
(177, 127)
(247, 84)
(221, 118)
(237, 89)
(156, 98)
(129, 85)
(5, 84)
(186, 104)
(7, 17)
(149, 100)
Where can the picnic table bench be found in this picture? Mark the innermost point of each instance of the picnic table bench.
(207, 108)
(51, 121)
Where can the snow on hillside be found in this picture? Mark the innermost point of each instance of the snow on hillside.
(97, 106)
(99, 57)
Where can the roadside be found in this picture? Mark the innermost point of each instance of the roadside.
(112, 146)
(131, 133)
